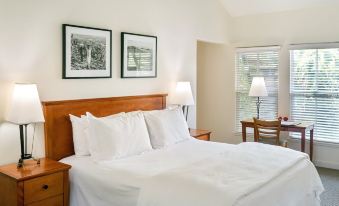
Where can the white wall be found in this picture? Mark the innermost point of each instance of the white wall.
(31, 48)
(214, 82)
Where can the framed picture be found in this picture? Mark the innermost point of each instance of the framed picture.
(87, 52)
(138, 56)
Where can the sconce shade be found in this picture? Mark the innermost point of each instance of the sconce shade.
(258, 87)
(25, 106)
(183, 94)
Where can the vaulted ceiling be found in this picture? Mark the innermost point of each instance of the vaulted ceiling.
(249, 7)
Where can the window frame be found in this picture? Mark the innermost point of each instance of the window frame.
(237, 125)
(293, 93)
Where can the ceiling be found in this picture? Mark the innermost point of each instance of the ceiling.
(249, 7)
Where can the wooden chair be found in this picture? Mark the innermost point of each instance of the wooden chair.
(268, 132)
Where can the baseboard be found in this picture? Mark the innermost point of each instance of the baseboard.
(325, 164)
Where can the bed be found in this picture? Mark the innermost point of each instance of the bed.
(193, 172)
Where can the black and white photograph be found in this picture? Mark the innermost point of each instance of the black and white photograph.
(87, 52)
(138, 55)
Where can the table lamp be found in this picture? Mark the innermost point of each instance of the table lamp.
(183, 96)
(258, 89)
(24, 109)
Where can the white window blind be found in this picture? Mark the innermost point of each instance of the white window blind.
(262, 61)
(314, 90)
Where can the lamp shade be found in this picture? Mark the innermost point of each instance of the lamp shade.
(183, 94)
(25, 105)
(258, 87)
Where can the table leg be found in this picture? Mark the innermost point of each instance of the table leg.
(311, 144)
(243, 133)
(303, 140)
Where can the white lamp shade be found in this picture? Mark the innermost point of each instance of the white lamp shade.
(183, 94)
(25, 106)
(258, 87)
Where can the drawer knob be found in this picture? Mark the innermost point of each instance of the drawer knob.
(45, 187)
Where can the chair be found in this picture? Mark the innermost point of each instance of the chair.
(268, 132)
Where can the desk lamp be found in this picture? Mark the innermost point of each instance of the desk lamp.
(258, 89)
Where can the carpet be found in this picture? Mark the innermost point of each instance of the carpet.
(330, 179)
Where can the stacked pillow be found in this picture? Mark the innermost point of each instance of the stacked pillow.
(118, 137)
(80, 133)
(127, 134)
(166, 127)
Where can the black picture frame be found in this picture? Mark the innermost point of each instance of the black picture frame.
(95, 44)
(148, 44)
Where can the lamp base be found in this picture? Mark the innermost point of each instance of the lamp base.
(258, 107)
(23, 147)
(185, 111)
(25, 157)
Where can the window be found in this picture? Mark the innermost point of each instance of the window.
(251, 62)
(314, 89)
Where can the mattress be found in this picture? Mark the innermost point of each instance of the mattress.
(122, 181)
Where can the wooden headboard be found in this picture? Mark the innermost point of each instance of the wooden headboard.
(58, 128)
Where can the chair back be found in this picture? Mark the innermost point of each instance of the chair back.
(267, 129)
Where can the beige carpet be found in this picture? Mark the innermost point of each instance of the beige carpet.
(330, 179)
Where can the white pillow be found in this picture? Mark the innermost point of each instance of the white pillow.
(166, 127)
(80, 139)
(80, 133)
(88, 114)
(133, 113)
(109, 116)
(118, 137)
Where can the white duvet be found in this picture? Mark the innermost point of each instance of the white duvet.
(198, 173)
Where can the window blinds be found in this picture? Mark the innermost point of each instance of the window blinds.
(314, 89)
(252, 62)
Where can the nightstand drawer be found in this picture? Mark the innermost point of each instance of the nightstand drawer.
(53, 201)
(43, 187)
(205, 137)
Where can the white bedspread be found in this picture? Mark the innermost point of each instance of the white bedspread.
(199, 173)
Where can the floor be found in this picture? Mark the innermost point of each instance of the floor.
(330, 179)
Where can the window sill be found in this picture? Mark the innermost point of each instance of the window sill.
(318, 141)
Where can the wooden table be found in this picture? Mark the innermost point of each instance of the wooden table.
(302, 128)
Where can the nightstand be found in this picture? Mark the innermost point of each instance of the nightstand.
(35, 185)
(200, 134)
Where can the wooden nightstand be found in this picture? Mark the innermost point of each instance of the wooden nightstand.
(35, 185)
(200, 134)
